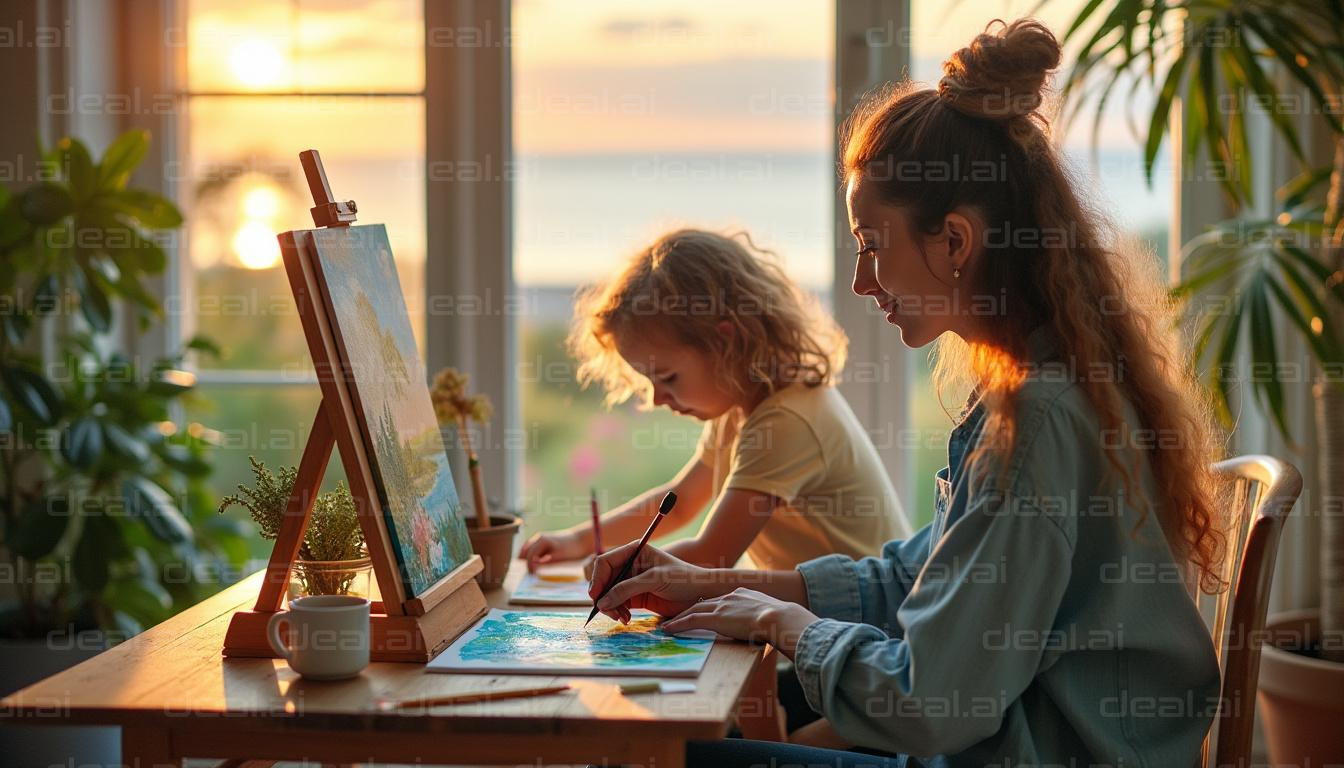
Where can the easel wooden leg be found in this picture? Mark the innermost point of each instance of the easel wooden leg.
(307, 483)
(148, 748)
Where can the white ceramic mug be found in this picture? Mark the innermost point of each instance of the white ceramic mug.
(328, 636)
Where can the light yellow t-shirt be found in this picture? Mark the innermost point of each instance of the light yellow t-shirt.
(805, 446)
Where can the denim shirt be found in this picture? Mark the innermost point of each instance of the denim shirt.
(1031, 623)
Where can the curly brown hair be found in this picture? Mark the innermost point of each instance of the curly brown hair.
(683, 286)
(1102, 302)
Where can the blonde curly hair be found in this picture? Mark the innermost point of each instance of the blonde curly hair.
(682, 287)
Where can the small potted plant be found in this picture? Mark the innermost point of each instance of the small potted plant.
(491, 534)
(333, 559)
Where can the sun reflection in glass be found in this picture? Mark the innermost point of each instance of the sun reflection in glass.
(261, 202)
(258, 64)
(253, 241)
(255, 246)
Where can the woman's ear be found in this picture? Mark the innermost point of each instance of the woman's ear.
(961, 231)
(725, 329)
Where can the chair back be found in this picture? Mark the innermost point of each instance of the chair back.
(1261, 491)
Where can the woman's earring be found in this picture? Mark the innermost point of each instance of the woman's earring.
(956, 273)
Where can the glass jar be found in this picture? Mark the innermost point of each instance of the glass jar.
(332, 577)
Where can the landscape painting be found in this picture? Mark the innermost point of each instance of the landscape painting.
(522, 642)
(391, 398)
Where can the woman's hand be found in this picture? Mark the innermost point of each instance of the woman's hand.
(658, 582)
(554, 547)
(746, 614)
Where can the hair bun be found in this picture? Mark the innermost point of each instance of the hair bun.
(1001, 74)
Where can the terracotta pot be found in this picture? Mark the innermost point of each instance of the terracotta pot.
(495, 546)
(1301, 697)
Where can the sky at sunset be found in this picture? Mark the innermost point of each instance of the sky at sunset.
(606, 74)
(597, 79)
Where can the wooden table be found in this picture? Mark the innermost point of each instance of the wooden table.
(175, 696)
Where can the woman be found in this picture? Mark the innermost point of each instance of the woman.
(1042, 617)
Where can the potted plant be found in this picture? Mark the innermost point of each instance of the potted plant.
(333, 559)
(105, 508)
(491, 534)
(1273, 275)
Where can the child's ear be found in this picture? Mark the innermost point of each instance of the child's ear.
(725, 329)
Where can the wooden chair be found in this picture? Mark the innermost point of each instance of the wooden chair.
(1261, 491)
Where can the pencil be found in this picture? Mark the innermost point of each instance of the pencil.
(664, 507)
(474, 696)
(597, 522)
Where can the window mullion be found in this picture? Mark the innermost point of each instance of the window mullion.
(469, 262)
(878, 373)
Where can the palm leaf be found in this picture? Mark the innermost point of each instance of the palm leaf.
(1157, 126)
(1242, 58)
(1265, 355)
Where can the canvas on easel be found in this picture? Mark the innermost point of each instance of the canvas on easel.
(409, 461)
(376, 410)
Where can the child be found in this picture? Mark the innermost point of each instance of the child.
(700, 324)
(1042, 615)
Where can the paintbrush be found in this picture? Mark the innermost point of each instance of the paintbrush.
(597, 521)
(669, 501)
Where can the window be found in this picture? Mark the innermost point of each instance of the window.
(626, 120)
(630, 119)
(264, 81)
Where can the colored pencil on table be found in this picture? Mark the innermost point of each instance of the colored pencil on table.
(474, 696)
(664, 507)
(597, 522)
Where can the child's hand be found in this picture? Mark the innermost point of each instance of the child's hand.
(554, 547)
(658, 581)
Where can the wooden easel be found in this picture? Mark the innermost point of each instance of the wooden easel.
(401, 629)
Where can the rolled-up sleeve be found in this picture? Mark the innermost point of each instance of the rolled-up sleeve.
(998, 574)
(869, 590)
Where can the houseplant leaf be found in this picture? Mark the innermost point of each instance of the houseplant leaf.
(148, 500)
(78, 168)
(124, 443)
(46, 296)
(45, 204)
(93, 301)
(149, 209)
(183, 460)
(92, 561)
(82, 443)
(39, 527)
(122, 157)
(34, 393)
